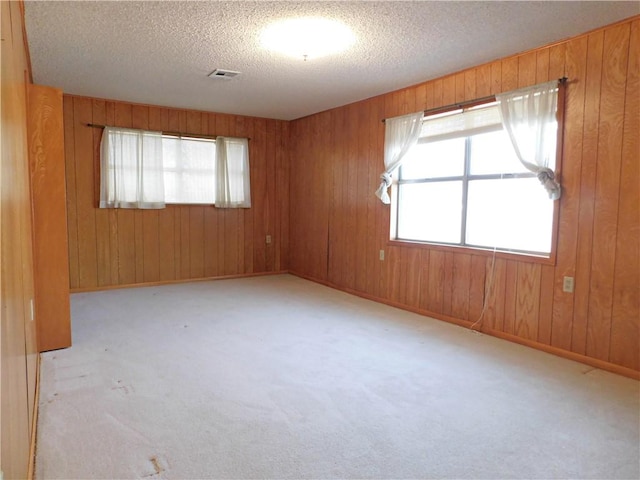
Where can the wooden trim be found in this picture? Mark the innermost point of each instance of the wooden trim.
(25, 39)
(34, 427)
(168, 133)
(593, 362)
(457, 106)
(520, 257)
(171, 282)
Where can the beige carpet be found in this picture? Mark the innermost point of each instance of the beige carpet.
(278, 377)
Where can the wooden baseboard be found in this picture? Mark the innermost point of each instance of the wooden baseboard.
(171, 282)
(34, 427)
(592, 362)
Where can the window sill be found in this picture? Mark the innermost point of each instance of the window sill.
(519, 257)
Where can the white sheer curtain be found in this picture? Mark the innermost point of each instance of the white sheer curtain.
(401, 133)
(233, 189)
(529, 116)
(131, 174)
(189, 170)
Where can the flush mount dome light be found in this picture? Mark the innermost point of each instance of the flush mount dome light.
(307, 38)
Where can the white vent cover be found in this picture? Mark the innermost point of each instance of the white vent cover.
(225, 74)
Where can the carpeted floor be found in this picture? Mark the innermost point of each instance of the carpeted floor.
(278, 377)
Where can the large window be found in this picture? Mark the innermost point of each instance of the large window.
(462, 184)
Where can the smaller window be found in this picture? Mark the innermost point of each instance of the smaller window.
(143, 169)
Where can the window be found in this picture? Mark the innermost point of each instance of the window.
(189, 169)
(141, 169)
(462, 184)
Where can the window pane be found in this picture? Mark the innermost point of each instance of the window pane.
(430, 212)
(493, 153)
(434, 160)
(189, 170)
(513, 214)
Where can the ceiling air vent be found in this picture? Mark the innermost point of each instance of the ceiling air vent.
(225, 74)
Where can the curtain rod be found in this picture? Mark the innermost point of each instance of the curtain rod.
(469, 103)
(173, 134)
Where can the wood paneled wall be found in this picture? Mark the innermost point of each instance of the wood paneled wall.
(48, 201)
(121, 247)
(338, 226)
(18, 351)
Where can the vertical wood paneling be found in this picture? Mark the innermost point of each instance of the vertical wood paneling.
(362, 188)
(83, 148)
(518, 297)
(597, 236)
(546, 304)
(495, 286)
(18, 352)
(542, 66)
(461, 286)
(589, 151)
(312, 186)
(121, 247)
(569, 203)
(477, 287)
(435, 289)
(70, 174)
(527, 66)
(527, 300)
(103, 239)
(625, 340)
(612, 101)
(48, 199)
(509, 74)
(510, 296)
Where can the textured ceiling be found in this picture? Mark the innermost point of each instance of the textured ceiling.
(160, 53)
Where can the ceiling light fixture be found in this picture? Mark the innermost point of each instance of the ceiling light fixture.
(308, 37)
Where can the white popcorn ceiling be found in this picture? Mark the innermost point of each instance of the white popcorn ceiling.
(160, 53)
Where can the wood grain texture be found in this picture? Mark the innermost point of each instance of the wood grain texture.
(123, 247)
(46, 164)
(625, 340)
(597, 238)
(610, 139)
(18, 338)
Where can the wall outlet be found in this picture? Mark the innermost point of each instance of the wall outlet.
(268, 239)
(567, 284)
(381, 254)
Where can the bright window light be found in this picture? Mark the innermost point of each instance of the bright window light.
(307, 38)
